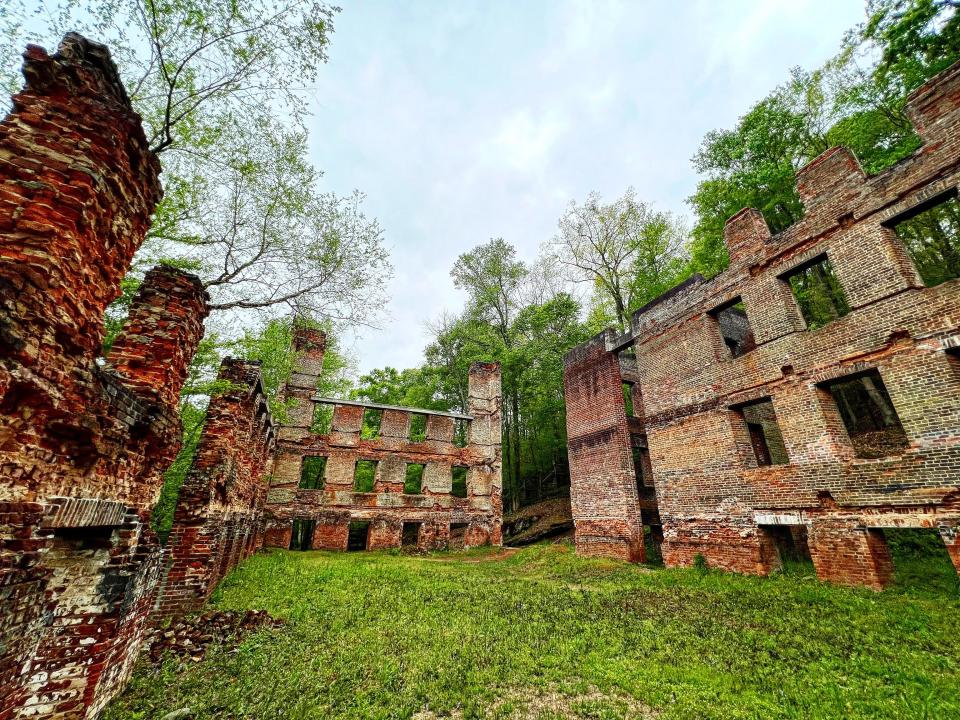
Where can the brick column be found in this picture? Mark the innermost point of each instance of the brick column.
(79, 185)
(485, 481)
(152, 353)
(604, 501)
(850, 555)
(310, 346)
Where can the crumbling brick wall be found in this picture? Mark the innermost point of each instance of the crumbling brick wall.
(218, 520)
(715, 498)
(431, 512)
(83, 440)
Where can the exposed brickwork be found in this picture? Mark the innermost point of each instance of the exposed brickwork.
(714, 500)
(387, 507)
(603, 490)
(83, 441)
(218, 520)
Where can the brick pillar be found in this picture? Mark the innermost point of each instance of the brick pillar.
(485, 481)
(163, 329)
(79, 185)
(310, 346)
(603, 490)
(850, 555)
(221, 500)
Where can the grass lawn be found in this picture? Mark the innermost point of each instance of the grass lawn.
(544, 634)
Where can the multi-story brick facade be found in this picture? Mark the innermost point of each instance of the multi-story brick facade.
(424, 491)
(219, 516)
(761, 422)
(83, 440)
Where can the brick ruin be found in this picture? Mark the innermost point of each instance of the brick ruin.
(755, 424)
(219, 516)
(408, 483)
(84, 440)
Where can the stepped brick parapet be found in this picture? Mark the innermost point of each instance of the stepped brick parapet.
(315, 497)
(219, 516)
(83, 440)
(743, 403)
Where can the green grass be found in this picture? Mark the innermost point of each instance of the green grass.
(544, 634)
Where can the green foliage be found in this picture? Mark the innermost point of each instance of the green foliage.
(754, 164)
(312, 472)
(819, 294)
(413, 479)
(933, 239)
(370, 428)
(364, 477)
(543, 633)
(917, 39)
(627, 252)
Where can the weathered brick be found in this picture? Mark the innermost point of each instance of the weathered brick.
(711, 497)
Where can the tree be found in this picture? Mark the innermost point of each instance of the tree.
(493, 278)
(917, 39)
(626, 251)
(221, 90)
(851, 100)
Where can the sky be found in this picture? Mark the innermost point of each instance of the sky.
(463, 121)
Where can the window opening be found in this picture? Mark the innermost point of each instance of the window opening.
(312, 472)
(364, 475)
(459, 485)
(413, 480)
(868, 415)
(818, 292)
(931, 234)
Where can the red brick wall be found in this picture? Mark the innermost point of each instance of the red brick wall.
(387, 507)
(603, 491)
(713, 499)
(83, 442)
(218, 521)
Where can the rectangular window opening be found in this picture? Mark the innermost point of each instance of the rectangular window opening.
(868, 415)
(628, 398)
(413, 480)
(322, 419)
(818, 292)
(920, 557)
(458, 536)
(931, 234)
(459, 487)
(312, 472)
(301, 537)
(461, 432)
(410, 537)
(372, 419)
(764, 430)
(364, 475)
(734, 328)
(418, 427)
(953, 357)
(358, 535)
(792, 548)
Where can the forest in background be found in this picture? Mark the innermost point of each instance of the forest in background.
(219, 86)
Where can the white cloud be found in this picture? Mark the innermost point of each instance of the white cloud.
(470, 120)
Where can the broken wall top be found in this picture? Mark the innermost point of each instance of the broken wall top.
(836, 194)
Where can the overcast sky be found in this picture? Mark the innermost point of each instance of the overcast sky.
(463, 121)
